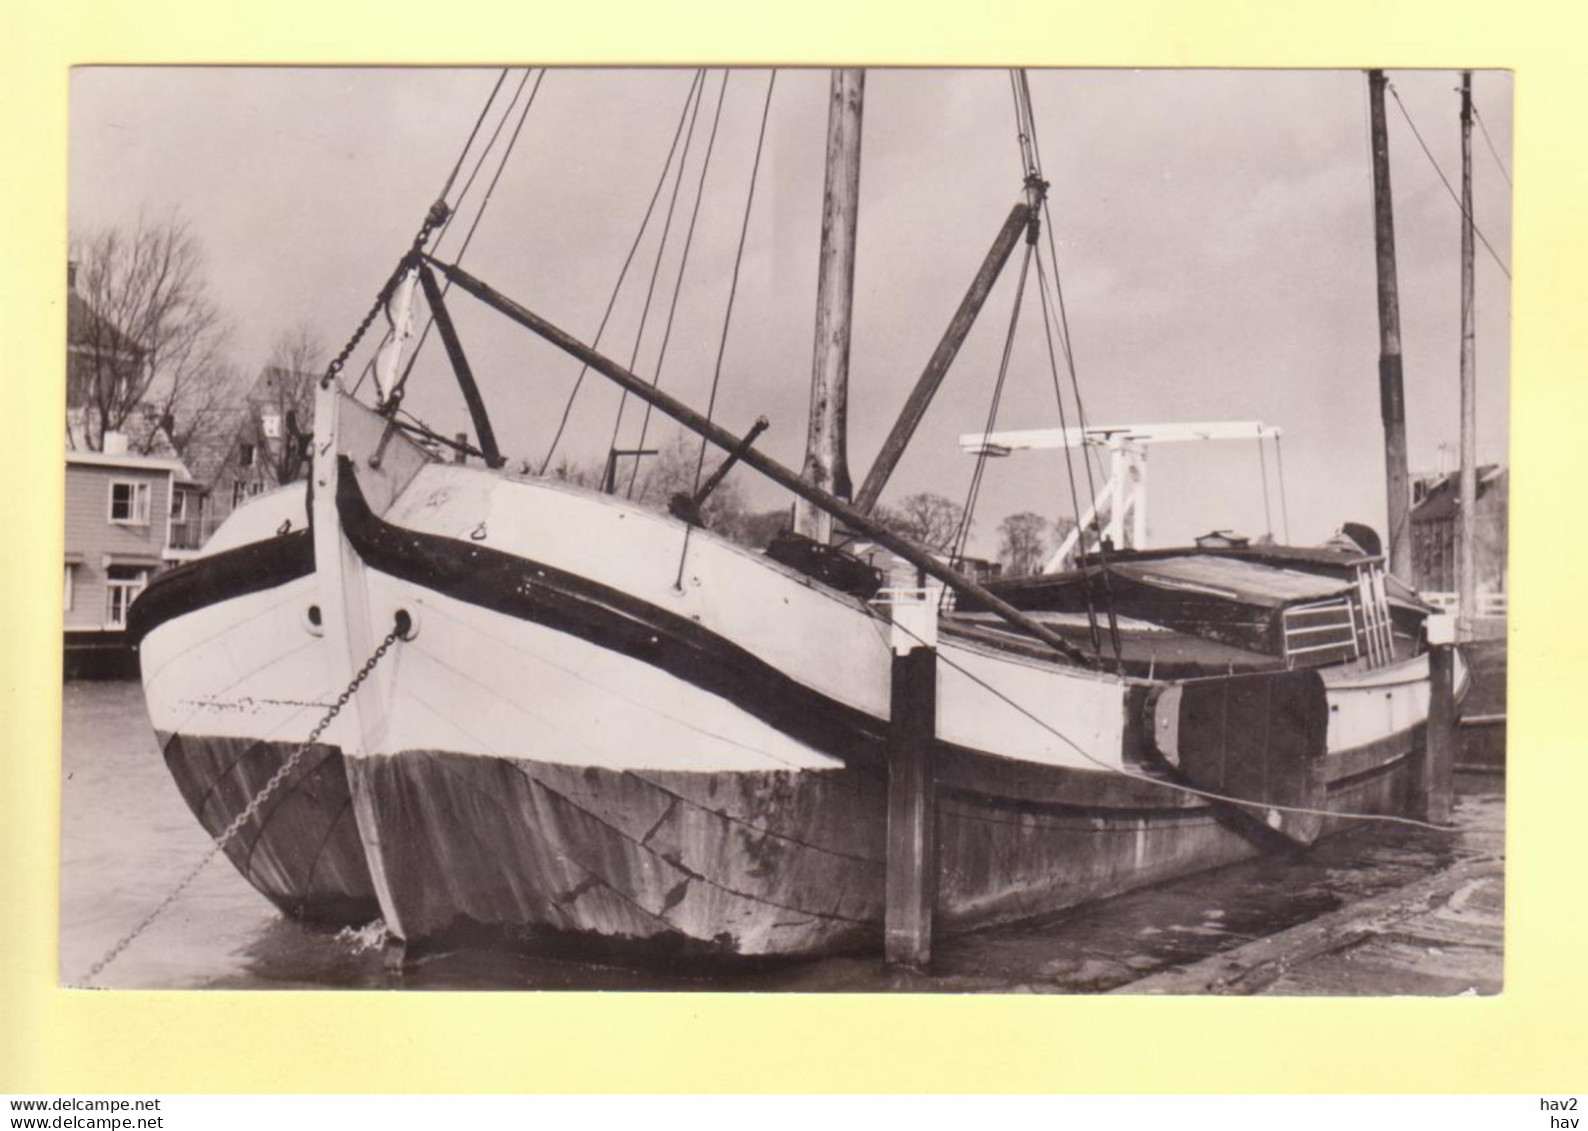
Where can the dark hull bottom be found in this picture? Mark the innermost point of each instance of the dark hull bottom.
(759, 864)
(302, 850)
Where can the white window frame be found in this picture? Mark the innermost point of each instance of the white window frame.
(141, 498)
(132, 588)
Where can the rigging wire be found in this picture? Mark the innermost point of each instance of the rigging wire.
(656, 267)
(962, 535)
(1064, 426)
(1446, 182)
(446, 188)
(1075, 380)
(1262, 466)
(1194, 791)
(678, 288)
(468, 237)
(656, 193)
(1495, 153)
(369, 366)
(727, 318)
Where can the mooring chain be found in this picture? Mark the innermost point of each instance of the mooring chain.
(433, 219)
(253, 807)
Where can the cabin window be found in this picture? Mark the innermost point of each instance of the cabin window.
(129, 502)
(122, 587)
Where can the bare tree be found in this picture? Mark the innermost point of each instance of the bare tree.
(1023, 543)
(929, 519)
(143, 333)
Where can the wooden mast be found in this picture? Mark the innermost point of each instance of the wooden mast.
(1392, 396)
(1466, 561)
(826, 448)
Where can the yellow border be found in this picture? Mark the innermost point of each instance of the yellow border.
(1530, 1039)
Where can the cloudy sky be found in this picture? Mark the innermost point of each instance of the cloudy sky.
(1214, 232)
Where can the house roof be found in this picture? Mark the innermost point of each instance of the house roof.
(85, 326)
(130, 463)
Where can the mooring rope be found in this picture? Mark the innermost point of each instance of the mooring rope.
(252, 809)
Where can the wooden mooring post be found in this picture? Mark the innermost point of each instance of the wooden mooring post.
(911, 881)
(1439, 760)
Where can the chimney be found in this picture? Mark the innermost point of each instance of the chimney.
(115, 443)
(71, 275)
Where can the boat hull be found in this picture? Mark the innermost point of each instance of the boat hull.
(234, 681)
(560, 754)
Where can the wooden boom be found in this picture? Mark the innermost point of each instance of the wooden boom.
(771, 468)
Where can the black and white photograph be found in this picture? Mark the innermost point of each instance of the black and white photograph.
(868, 530)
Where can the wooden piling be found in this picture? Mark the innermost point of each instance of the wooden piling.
(1440, 761)
(911, 889)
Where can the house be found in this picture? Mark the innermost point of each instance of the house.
(125, 521)
(1436, 506)
(263, 449)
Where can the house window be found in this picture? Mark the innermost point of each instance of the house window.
(245, 455)
(270, 423)
(239, 492)
(129, 502)
(122, 587)
(179, 505)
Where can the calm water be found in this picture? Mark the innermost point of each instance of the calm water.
(127, 838)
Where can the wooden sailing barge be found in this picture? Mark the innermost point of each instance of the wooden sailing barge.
(685, 745)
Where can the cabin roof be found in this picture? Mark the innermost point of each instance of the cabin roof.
(1249, 582)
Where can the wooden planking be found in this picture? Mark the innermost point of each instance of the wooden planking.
(302, 852)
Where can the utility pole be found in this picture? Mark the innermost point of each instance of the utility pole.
(826, 448)
(1392, 395)
(1467, 558)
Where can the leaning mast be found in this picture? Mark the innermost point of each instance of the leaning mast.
(826, 450)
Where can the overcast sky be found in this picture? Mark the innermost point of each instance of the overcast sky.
(1214, 231)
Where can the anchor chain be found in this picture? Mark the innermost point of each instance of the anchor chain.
(253, 807)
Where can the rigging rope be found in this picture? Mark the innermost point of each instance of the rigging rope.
(962, 535)
(656, 193)
(369, 366)
(1069, 359)
(468, 238)
(727, 318)
(656, 270)
(1284, 506)
(1064, 426)
(1262, 466)
(1446, 182)
(678, 287)
(446, 188)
